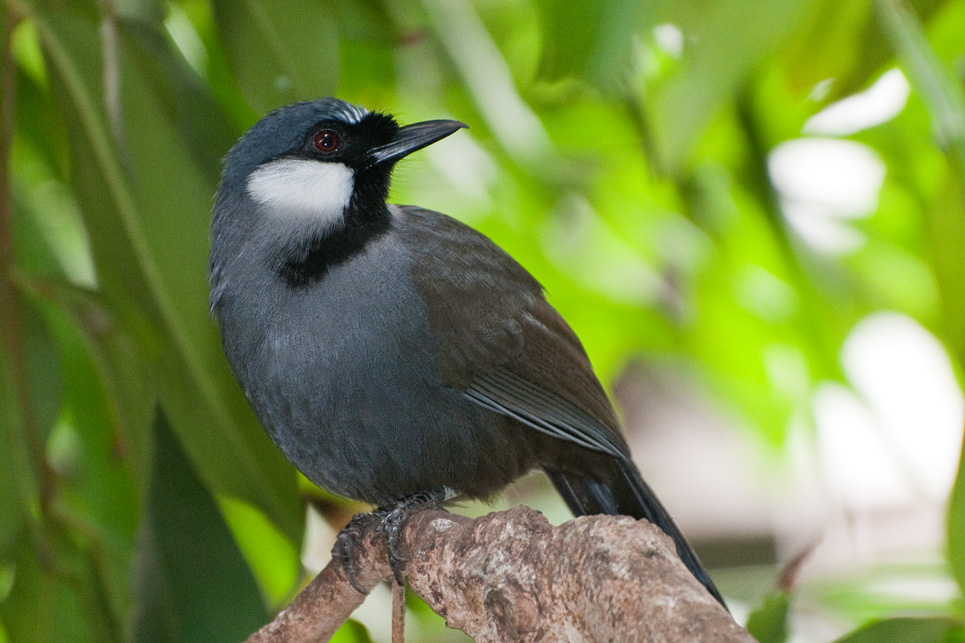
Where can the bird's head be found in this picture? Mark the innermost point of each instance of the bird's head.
(305, 188)
(314, 160)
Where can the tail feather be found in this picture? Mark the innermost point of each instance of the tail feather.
(625, 493)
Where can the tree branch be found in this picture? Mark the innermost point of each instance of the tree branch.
(511, 576)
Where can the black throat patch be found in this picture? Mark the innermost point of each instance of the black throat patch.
(311, 259)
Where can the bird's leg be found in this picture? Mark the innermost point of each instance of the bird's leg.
(393, 522)
(348, 545)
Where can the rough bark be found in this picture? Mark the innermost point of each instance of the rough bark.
(511, 576)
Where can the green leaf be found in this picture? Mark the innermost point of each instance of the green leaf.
(100, 449)
(272, 557)
(30, 401)
(150, 241)
(279, 51)
(714, 68)
(144, 10)
(43, 370)
(858, 54)
(768, 623)
(937, 86)
(191, 581)
(908, 630)
(112, 398)
(589, 40)
(853, 58)
(18, 484)
(56, 595)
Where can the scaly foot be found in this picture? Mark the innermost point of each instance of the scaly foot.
(395, 519)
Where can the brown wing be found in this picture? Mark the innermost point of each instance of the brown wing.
(499, 341)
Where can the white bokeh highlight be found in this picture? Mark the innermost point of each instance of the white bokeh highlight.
(824, 183)
(878, 104)
(907, 384)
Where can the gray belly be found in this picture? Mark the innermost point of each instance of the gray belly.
(344, 377)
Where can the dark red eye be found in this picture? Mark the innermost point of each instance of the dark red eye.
(326, 141)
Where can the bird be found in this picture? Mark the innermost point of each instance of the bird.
(390, 350)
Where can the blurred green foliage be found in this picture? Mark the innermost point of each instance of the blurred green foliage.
(768, 623)
(618, 148)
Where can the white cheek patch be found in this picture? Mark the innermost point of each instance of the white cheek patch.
(303, 189)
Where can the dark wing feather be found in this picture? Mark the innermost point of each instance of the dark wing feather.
(502, 343)
(504, 391)
(475, 294)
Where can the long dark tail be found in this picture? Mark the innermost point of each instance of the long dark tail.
(626, 494)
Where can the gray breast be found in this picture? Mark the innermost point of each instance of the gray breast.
(344, 376)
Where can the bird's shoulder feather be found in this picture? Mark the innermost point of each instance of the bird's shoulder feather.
(498, 339)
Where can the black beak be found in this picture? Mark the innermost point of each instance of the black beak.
(412, 138)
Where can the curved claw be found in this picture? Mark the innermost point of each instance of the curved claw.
(349, 544)
(349, 547)
(394, 521)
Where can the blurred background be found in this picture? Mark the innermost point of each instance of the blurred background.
(751, 211)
